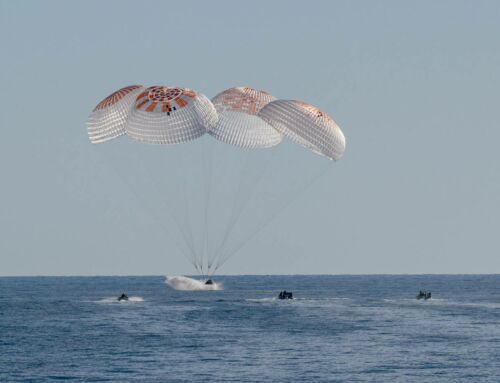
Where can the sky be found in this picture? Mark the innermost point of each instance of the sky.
(414, 86)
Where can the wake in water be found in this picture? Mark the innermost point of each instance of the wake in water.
(261, 299)
(446, 302)
(180, 282)
(115, 300)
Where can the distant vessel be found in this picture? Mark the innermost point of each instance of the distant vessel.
(123, 297)
(424, 294)
(285, 295)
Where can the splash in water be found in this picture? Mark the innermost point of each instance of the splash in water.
(180, 282)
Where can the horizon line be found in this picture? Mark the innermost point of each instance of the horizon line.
(237, 275)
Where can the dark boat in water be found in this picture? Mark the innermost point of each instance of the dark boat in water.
(123, 297)
(285, 295)
(209, 282)
(424, 294)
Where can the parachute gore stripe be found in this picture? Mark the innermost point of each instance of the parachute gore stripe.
(182, 103)
(189, 93)
(151, 107)
(141, 104)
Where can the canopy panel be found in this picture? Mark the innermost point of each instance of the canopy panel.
(107, 120)
(238, 121)
(306, 125)
(170, 115)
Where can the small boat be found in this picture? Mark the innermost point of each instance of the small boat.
(285, 295)
(424, 294)
(123, 297)
(209, 282)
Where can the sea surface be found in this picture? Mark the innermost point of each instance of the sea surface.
(337, 329)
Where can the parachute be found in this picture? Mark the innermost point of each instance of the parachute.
(169, 115)
(238, 122)
(220, 172)
(107, 120)
(306, 125)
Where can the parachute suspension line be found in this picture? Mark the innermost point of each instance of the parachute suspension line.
(182, 227)
(185, 213)
(227, 227)
(187, 238)
(151, 211)
(207, 158)
(164, 202)
(228, 254)
(230, 222)
(240, 206)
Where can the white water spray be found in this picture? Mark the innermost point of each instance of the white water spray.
(180, 282)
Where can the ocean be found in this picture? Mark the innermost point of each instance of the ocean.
(337, 329)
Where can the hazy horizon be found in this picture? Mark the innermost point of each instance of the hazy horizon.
(197, 276)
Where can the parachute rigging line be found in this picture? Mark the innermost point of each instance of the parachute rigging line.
(154, 214)
(267, 221)
(207, 158)
(243, 200)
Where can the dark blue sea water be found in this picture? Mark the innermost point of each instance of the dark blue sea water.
(338, 329)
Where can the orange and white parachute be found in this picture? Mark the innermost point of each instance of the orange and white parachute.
(241, 116)
(169, 115)
(218, 206)
(107, 120)
(239, 123)
(306, 125)
(154, 115)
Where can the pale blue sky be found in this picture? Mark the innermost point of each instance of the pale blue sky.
(414, 85)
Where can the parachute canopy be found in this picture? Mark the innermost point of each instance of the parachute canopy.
(169, 115)
(306, 125)
(107, 120)
(238, 121)
(240, 116)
